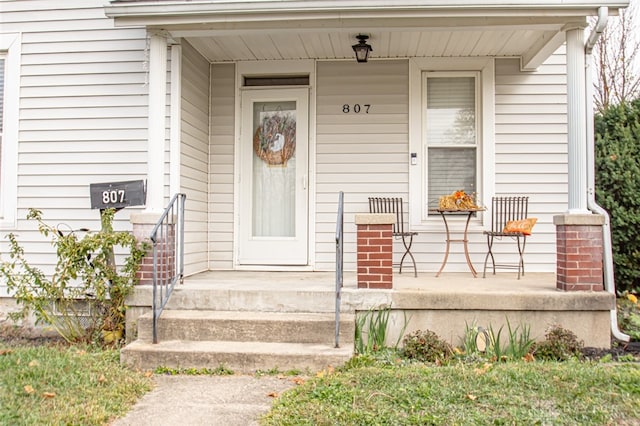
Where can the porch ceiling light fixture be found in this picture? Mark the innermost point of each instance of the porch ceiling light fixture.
(362, 49)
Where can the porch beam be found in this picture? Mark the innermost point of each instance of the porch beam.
(147, 10)
(542, 49)
(351, 19)
(156, 121)
(221, 29)
(576, 118)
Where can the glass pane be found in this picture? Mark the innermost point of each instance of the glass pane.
(450, 169)
(274, 169)
(451, 113)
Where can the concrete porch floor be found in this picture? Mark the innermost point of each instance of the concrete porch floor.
(446, 304)
(325, 281)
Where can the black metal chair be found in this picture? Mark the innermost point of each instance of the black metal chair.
(506, 209)
(395, 206)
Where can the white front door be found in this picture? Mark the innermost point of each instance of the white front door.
(273, 177)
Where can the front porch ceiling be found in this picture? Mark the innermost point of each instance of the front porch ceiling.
(336, 44)
(281, 30)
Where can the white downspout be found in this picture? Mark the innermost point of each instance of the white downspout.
(607, 256)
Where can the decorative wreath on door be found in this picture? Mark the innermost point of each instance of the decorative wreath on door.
(274, 141)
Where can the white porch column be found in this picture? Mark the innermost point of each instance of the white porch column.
(576, 117)
(174, 139)
(157, 124)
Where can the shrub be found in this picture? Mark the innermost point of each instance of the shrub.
(83, 300)
(560, 344)
(617, 160)
(425, 346)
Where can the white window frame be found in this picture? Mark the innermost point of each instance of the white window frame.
(10, 47)
(419, 218)
(477, 125)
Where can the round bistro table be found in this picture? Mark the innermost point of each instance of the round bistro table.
(464, 240)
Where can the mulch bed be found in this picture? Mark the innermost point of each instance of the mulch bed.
(618, 350)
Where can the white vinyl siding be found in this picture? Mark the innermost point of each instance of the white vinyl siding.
(531, 148)
(82, 117)
(524, 152)
(362, 154)
(221, 170)
(194, 153)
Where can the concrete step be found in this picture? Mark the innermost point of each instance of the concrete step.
(281, 327)
(242, 298)
(241, 357)
(285, 300)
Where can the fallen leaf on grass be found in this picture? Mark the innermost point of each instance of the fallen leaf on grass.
(5, 351)
(48, 394)
(298, 380)
(102, 379)
(472, 397)
(484, 368)
(29, 389)
(34, 363)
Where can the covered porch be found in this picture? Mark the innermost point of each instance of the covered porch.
(362, 128)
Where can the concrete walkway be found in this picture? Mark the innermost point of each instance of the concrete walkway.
(236, 400)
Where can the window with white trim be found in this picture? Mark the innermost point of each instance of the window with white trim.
(9, 98)
(451, 134)
(2, 80)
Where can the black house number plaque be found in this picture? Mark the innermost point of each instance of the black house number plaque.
(116, 195)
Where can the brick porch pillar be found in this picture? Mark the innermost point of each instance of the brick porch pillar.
(579, 252)
(143, 224)
(375, 250)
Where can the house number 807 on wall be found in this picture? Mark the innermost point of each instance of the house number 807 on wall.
(356, 108)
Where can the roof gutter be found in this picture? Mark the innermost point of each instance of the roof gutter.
(607, 256)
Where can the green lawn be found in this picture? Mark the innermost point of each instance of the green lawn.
(547, 393)
(61, 385)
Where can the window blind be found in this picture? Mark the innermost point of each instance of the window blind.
(451, 133)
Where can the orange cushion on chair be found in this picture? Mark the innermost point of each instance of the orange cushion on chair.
(523, 226)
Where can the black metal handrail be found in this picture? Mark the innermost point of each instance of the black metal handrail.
(167, 238)
(339, 262)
